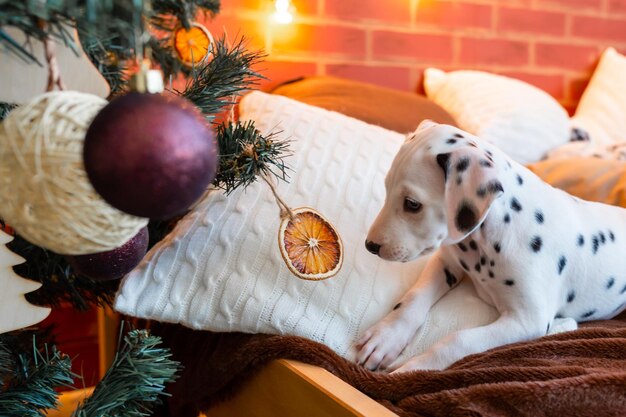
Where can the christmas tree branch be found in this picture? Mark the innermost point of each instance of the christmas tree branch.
(135, 380)
(245, 154)
(96, 20)
(182, 11)
(226, 75)
(60, 283)
(29, 380)
(5, 108)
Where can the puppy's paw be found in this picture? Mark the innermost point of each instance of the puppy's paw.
(381, 344)
(566, 324)
(423, 362)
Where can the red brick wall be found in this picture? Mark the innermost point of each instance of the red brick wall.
(553, 44)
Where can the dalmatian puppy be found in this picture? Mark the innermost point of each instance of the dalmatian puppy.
(543, 258)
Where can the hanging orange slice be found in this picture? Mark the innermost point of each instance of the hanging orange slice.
(310, 246)
(192, 46)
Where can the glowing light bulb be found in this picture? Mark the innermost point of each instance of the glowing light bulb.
(283, 14)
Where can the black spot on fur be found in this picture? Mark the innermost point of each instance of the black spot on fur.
(462, 164)
(451, 141)
(548, 328)
(495, 186)
(489, 153)
(466, 216)
(492, 263)
(462, 247)
(496, 247)
(473, 245)
(515, 205)
(458, 135)
(491, 274)
(570, 296)
(491, 187)
(536, 243)
(507, 218)
(509, 282)
(581, 240)
(602, 238)
(610, 283)
(477, 267)
(485, 163)
(464, 265)
(577, 134)
(595, 242)
(611, 236)
(562, 263)
(443, 160)
(558, 316)
(539, 216)
(483, 260)
(623, 290)
(520, 180)
(450, 278)
(397, 306)
(589, 314)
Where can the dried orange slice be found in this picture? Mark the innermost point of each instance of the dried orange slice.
(192, 46)
(310, 246)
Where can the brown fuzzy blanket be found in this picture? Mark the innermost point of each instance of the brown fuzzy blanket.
(580, 373)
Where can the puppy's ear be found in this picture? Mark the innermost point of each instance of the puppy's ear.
(471, 186)
(424, 124)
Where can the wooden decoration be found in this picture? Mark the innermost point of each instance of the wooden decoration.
(21, 81)
(15, 311)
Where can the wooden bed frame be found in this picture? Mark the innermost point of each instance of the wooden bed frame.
(284, 388)
(290, 388)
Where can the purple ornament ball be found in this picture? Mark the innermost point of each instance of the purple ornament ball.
(150, 155)
(113, 264)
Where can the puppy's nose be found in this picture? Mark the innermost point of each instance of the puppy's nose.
(372, 247)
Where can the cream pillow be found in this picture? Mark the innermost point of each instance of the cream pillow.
(602, 107)
(522, 120)
(221, 268)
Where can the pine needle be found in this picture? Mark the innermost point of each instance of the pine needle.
(227, 74)
(29, 381)
(134, 381)
(245, 154)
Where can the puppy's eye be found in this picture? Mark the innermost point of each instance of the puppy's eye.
(411, 205)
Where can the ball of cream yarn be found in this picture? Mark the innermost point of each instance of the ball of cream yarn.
(45, 194)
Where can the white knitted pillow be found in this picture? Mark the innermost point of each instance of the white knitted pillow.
(522, 120)
(602, 107)
(221, 268)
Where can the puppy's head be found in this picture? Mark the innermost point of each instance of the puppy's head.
(440, 187)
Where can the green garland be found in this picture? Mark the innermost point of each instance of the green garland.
(29, 380)
(29, 377)
(216, 84)
(133, 383)
(245, 154)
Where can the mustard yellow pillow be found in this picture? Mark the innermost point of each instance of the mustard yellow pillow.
(591, 179)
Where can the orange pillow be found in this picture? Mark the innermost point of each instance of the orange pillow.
(391, 109)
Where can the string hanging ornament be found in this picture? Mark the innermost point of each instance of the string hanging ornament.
(149, 153)
(309, 244)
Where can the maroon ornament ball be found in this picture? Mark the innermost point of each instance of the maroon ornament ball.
(150, 155)
(113, 264)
